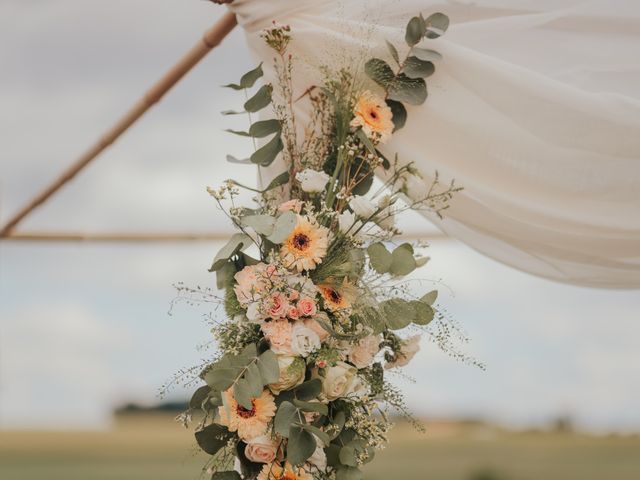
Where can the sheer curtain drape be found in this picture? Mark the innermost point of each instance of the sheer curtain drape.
(534, 109)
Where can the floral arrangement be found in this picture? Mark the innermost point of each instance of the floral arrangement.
(316, 314)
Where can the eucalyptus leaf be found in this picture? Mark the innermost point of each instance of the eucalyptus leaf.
(283, 227)
(199, 397)
(394, 51)
(286, 415)
(262, 224)
(266, 154)
(229, 475)
(408, 90)
(423, 313)
(426, 54)
(263, 128)
(380, 72)
(236, 243)
(212, 438)
(402, 262)
(319, 434)
(416, 68)
(232, 112)
(415, 31)
(269, 368)
(349, 473)
(311, 406)
(339, 419)
(251, 77)
(260, 100)
(366, 142)
(379, 257)
(248, 79)
(436, 25)
(430, 298)
(309, 389)
(399, 114)
(240, 161)
(301, 445)
(280, 180)
(399, 313)
(225, 274)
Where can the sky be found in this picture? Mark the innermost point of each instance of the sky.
(84, 327)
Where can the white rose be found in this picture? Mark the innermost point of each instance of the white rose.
(415, 187)
(292, 372)
(348, 222)
(261, 449)
(363, 352)
(362, 207)
(312, 181)
(319, 458)
(409, 348)
(338, 380)
(304, 340)
(386, 219)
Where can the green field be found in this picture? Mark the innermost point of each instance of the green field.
(153, 447)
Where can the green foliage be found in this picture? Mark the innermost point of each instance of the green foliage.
(301, 445)
(400, 313)
(199, 397)
(247, 372)
(248, 79)
(409, 90)
(212, 438)
(259, 100)
(399, 115)
(436, 25)
(416, 29)
(283, 227)
(230, 475)
(236, 243)
(266, 154)
(416, 68)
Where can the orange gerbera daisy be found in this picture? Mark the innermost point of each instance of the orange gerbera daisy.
(276, 471)
(306, 245)
(374, 116)
(248, 423)
(337, 296)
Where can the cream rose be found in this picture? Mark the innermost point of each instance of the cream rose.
(261, 449)
(415, 188)
(319, 458)
(292, 371)
(362, 207)
(409, 348)
(338, 381)
(312, 181)
(363, 352)
(304, 340)
(316, 327)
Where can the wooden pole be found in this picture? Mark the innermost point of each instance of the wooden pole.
(127, 237)
(209, 40)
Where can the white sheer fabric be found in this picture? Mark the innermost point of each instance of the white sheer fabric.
(534, 109)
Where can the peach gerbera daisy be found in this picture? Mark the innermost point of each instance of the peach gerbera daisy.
(374, 116)
(275, 471)
(248, 423)
(337, 296)
(306, 245)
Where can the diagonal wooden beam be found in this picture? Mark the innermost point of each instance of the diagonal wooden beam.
(209, 40)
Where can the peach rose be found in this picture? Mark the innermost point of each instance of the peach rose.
(307, 307)
(293, 313)
(363, 352)
(278, 333)
(291, 206)
(410, 347)
(278, 305)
